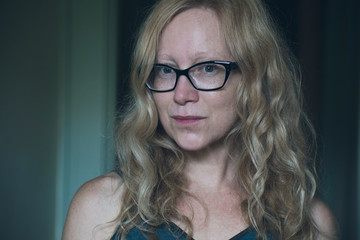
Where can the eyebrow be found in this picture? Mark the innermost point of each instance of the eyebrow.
(166, 59)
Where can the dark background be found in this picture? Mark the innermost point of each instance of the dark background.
(325, 36)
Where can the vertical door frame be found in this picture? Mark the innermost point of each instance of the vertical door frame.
(87, 93)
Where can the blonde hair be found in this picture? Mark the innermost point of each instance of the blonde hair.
(274, 166)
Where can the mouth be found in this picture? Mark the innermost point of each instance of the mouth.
(187, 120)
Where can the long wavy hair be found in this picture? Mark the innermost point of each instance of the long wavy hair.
(273, 139)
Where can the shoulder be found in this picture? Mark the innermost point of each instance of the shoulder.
(324, 220)
(95, 204)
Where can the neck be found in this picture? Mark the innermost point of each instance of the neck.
(210, 169)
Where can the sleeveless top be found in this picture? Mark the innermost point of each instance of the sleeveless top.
(172, 232)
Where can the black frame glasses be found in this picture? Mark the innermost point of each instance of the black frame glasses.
(179, 72)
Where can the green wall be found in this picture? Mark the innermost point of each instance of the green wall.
(57, 102)
(29, 118)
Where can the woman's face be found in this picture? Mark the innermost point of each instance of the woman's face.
(195, 120)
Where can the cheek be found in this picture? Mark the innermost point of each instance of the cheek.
(226, 114)
(160, 103)
(161, 106)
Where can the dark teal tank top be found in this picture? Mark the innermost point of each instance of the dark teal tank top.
(172, 232)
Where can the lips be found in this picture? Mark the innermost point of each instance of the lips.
(187, 120)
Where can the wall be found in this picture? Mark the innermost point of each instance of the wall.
(87, 67)
(29, 118)
(339, 121)
(57, 100)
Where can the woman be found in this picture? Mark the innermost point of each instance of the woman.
(215, 144)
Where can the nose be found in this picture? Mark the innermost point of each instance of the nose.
(185, 92)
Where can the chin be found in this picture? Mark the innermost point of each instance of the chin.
(194, 146)
(191, 146)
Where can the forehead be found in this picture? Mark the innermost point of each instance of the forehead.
(195, 32)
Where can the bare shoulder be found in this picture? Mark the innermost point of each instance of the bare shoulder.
(94, 206)
(325, 220)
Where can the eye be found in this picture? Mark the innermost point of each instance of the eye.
(166, 70)
(209, 68)
(163, 72)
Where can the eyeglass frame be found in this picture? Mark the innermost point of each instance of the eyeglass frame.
(185, 72)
